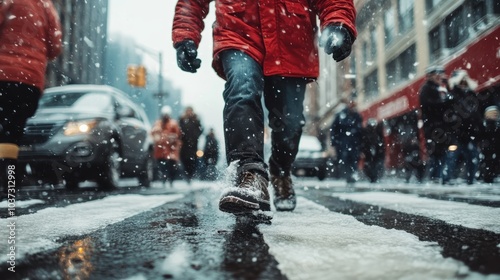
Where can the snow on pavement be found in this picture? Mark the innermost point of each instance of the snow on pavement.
(41, 230)
(314, 243)
(22, 203)
(457, 213)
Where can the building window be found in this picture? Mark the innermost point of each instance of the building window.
(405, 14)
(371, 85)
(456, 28)
(366, 59)
(392, 74)
(373, 43)
(352, 71)
(408, 62)
(430, 4)
(478, 14)
(435, 42)
(389, 25)
(352, 68)
(402, 68)
(478, 8)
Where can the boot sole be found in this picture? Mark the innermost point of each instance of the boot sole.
(236, 205)
(285, 205)
(283, 209)
(254, 218)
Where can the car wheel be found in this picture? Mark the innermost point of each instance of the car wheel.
(321, 174)
(109, 172)
(147, 173)
(71, 183)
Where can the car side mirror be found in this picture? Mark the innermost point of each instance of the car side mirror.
(125, 112)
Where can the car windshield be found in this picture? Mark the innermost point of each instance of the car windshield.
(81, 101)
(309, 143)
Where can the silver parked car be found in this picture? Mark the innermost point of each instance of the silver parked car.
(311, 160)
(87, 132)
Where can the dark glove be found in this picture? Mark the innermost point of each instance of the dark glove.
(337, 41)
(186, 56)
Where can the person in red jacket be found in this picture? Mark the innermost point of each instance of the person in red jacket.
(263, 49)
(167, 135)
(30, 35)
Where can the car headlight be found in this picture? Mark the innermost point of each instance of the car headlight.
(79, 127)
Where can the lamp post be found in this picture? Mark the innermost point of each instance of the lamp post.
(158, 55)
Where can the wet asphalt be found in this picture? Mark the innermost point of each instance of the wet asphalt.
(179, 240)
(190, 239)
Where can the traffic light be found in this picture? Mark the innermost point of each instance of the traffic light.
(136, 75)
(131, 76)
(141, 76)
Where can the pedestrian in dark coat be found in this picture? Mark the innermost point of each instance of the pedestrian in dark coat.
(30, 36)
(409, 137)
(264, 49)
(191, 130)
(346, 136)
(490, 144)
(373, 150)
(412, 161)
(211, 155)
(463, 121)
(434, 100)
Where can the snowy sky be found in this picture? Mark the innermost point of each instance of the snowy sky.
(149, 22)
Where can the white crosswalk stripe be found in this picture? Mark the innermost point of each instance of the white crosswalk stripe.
(457, 213)
(314, 243)
(39, 231)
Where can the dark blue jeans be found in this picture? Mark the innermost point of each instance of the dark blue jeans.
(348, 158)
(168, 170)
(244, 114)
(470, 154)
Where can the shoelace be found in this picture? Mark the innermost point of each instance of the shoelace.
(284, 186)
(247, 180)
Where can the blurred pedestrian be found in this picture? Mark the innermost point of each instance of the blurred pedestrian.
(434, 100)
(167, 145)
(463, 120)
(263, 49)
(211, 155)
(30, 36)
(490, 143)
(346, 138)
(373, 150)
(411, 152)
(191, 130)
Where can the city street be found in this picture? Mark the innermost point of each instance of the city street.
(389, 230)
(101, 99)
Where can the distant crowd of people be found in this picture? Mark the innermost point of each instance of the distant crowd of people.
(176, 147)
(459, 126)
(459, 123)
(352, 141)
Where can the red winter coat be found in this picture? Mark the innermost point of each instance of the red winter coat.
(167, 140)
(30, 35)
(279, 34)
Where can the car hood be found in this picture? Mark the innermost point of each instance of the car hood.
(64, 114)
